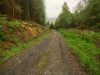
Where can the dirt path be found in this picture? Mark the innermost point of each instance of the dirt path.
(48, 57)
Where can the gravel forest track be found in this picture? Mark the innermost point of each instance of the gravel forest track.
(49, 56)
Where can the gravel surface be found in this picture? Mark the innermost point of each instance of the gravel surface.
(47, 57)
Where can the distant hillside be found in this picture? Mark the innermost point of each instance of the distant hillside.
(51, 19)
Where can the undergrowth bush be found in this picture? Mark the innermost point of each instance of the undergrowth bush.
(64, 35)
(15, 24)
(3, 37)
(97, 26)
(3, 20)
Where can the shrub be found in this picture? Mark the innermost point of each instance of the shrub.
(64, 35)
(3, 20)
(97, 26)
(15, 24)
(3, 37)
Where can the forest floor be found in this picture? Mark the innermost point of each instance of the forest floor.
(49, 56)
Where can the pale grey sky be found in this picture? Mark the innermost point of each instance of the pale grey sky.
(53, 7)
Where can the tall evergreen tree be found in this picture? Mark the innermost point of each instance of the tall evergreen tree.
(28, 10)
(64, 19)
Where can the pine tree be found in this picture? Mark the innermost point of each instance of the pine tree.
(28, 10)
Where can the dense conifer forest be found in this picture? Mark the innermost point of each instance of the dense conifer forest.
(28, 10)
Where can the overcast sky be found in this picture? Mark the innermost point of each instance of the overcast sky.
(53, 7)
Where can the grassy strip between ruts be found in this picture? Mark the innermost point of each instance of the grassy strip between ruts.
(82, 43)
(8, 54)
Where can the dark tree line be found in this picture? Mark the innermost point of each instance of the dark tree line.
(86, 14)
(28, 10)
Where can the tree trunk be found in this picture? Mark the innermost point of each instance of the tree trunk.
(13, 10)
(28, 17)
(34, 14)
(18, 12)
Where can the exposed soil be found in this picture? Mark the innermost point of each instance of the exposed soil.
(48, 57)
(97, 44)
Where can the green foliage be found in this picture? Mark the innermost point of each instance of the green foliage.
(51, 26)
(3, 37)
(86, 15)
(64, 35)
(65, 17)
(3, 20)
(82, 44)
(97, 26)
(15, 24)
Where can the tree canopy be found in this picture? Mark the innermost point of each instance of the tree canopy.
(86, 14)
(64, 18)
